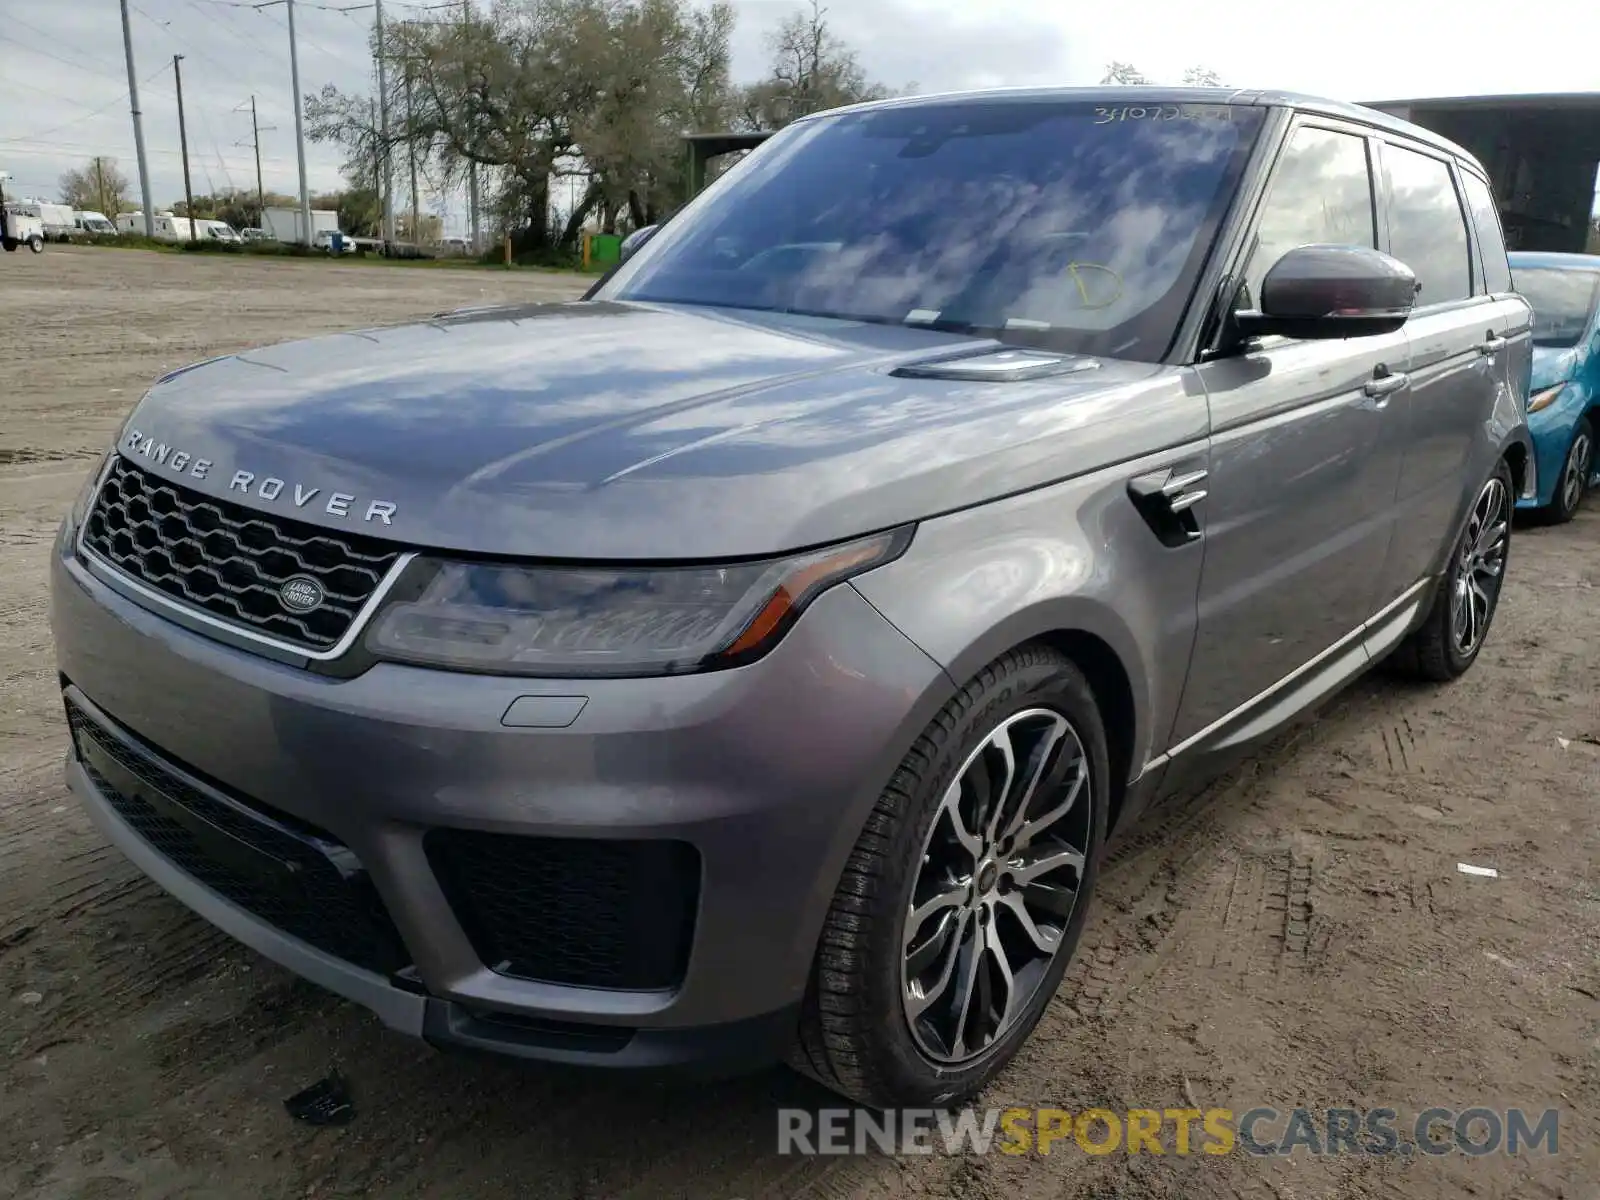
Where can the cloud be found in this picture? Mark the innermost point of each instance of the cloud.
(63, 80)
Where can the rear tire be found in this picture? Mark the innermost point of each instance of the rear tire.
(36, 244)
(1002, 890)
(1448, 641)
(1573, 481)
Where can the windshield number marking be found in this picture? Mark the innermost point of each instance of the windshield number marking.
(1159, 112)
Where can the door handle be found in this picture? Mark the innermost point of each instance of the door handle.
(1491, 346)
(1385, 385)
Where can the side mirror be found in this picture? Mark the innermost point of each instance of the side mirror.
(631, 243)
(1332, 292)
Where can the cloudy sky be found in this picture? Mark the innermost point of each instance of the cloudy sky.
(63, 79)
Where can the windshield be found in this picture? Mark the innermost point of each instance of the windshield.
(1059, 224)
(1561, 300)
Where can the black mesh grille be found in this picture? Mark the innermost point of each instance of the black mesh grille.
(289, 874)
(230, 560)
(584, 912)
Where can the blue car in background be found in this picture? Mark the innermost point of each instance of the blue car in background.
(1564, 398)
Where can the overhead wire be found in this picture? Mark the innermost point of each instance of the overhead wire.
(39, 134)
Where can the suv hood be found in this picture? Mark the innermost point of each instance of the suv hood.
(624, 431)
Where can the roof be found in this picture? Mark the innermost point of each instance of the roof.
(1552, 260)
(1124, 95)
(1567, 100)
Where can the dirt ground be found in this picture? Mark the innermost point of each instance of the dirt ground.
(1299, 936)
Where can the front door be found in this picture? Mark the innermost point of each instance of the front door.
(1304, 458)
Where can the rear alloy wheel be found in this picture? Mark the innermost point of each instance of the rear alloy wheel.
(964, 897)
(1574, 478)
(36, 244)
(1448, 641)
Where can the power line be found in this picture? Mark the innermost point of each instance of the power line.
(13, 19)
(98, 72)
(235, 32)
(39, 134)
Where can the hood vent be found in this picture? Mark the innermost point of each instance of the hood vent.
(999, 366)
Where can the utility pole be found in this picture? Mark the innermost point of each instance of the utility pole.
(299, 130)
(138, 126)
(255, 141)
(183, 145)
(377, 165)
(385, 190)
(255, 136)
(411, 147)
(472, 167)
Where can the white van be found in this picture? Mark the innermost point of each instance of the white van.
(87, 223)
(219, 231)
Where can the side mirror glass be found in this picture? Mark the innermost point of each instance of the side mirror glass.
(631, 243)
(1332, 292)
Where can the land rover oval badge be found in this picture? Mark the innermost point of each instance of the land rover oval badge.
(301, 594)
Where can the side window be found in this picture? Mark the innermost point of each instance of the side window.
(1320, 192)
(1427, 231)
(1491, 240)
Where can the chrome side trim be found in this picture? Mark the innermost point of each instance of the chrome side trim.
(159, 602)
(1378, 632)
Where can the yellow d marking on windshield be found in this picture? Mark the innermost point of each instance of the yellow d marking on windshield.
(1076, 269)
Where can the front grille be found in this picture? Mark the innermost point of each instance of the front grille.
(288, 873)
(232, 561)
(584, 912)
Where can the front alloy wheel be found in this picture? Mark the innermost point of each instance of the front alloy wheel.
(958, 910)
(996, 886)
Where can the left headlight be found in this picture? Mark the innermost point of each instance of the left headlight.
(612, 621)
(1545, 398)
(80, 506)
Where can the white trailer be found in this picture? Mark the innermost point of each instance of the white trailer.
(56, 219)
(168, 228)
(284, 225)
(18, 227)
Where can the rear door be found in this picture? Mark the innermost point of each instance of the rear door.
(1304, 454)
(1459, 350)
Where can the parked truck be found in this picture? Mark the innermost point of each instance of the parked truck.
(284, 224)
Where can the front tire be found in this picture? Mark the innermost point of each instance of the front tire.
(1574, 478)
(1449, 639)
(964, 897)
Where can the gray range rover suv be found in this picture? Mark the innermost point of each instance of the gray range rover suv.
(752, 659)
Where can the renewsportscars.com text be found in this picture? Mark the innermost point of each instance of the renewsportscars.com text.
(1181, 1132)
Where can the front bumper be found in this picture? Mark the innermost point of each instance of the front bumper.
(767, 772)
(1551, 430)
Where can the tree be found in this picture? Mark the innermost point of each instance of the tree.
(1123, 73)
(811, 70)
(99, 187)
(1127, 73)
(237, 206)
